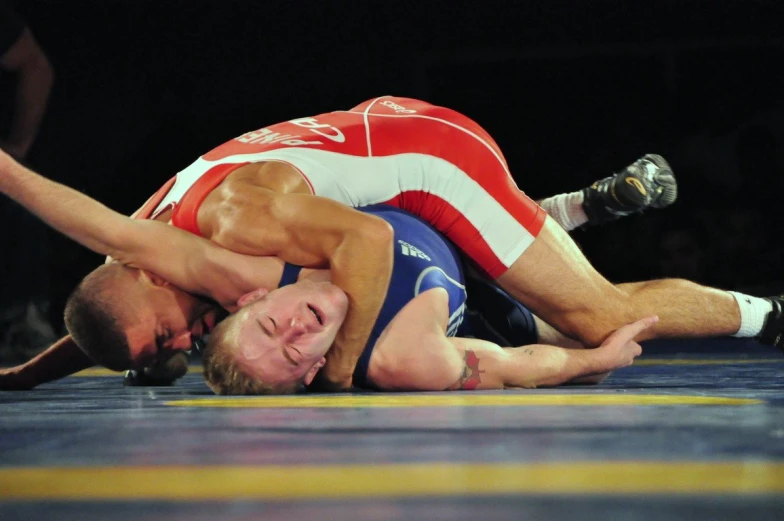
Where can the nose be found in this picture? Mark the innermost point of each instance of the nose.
(181, 342)
(296, 327)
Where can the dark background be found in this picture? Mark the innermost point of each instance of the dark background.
(572, 91)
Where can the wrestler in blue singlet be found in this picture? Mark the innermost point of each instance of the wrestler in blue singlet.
(424, 259)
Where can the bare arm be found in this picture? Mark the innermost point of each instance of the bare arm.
(34, 84)
(487, 366)
(189, 262)
(466, 364)
(441, 363)
(544, 365)
(62, 359)
(318, 232)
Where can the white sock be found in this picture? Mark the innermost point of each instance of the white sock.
(753, 311)
(566, 209)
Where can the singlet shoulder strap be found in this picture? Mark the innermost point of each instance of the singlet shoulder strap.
(290, 274)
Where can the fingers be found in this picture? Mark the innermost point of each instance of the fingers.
(629, 331)
(171, 368)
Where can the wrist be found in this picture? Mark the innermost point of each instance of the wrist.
(597, 361)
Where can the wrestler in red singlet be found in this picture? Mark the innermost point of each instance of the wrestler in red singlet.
(429, 160)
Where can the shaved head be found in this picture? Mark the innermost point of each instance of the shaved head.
(98, 310)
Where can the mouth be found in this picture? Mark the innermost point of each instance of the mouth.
(317, 313)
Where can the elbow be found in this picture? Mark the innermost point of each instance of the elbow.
(378, 233)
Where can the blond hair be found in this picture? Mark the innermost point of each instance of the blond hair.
(223, 373)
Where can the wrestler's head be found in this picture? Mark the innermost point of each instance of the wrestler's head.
(127, 318)
(276, 342)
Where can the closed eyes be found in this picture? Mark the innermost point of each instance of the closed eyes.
(269, 328)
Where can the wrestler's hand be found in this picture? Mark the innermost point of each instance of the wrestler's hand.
(164, 373)
(12, 379)
(620, 349)
(332, 383)
(335, 376)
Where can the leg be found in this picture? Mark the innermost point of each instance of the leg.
(492, 315)
(516, 243)
(556, 281)
(686, 309)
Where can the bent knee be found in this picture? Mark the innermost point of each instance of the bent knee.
(592, 327)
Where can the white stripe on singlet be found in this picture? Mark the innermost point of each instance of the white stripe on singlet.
(362, 181)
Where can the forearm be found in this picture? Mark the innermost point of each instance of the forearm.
(364, 277)
(487, 366)
(174, 254)
(62, 359)
(540, 365)
(32, 93)
(68, 211)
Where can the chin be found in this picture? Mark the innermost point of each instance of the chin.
(338, 299)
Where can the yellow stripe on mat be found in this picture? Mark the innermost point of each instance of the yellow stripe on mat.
(102, 371)
(363, 481)
(457, 400)
(196, 369)
(707, 361)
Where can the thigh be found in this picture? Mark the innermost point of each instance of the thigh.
(451, 173)
(557, 282)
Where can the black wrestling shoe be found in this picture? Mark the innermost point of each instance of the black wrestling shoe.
(773, 331)
(648, 182)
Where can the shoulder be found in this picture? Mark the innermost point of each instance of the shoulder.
(275, 176)
(413, 352)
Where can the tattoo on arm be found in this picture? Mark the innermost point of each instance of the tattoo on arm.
(528, 351)
(470, 378)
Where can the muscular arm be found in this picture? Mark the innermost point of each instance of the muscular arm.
(34, 84)
(189, 262)
(414, 354)
(317, 232)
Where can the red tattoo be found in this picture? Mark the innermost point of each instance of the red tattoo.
(470, 379)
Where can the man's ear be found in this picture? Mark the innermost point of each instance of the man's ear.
(253, 296)
(311, 374)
